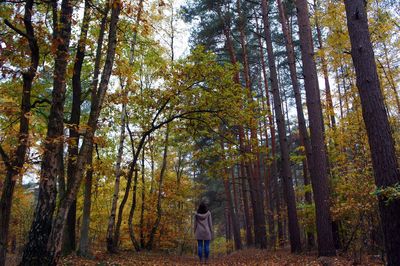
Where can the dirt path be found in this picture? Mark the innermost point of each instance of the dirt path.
(245, 257)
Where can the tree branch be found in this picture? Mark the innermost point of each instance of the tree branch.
(20, 32)
(5, 157)
(37, 102)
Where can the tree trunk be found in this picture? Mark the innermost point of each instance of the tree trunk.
(111, 220)
(141, 223)
(69, 244)
(294, 230)
(271, 176)
(52, 254)
(249, 235)
(319, 176)
(35, 249)
(233, 214)
(328, 95)
(258, 202)
(230, 205)
(84, 243)
(389, 76)
(127, 188)
(113, 236)
(132, 211)
(384, 161)
(153, 231)
(236, 78)
(304, 138)
(15, 163)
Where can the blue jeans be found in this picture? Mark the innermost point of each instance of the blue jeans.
(203, 245)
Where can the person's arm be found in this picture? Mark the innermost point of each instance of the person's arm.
(195, 224)
(211, 226)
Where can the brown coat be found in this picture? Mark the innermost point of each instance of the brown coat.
(203, 226)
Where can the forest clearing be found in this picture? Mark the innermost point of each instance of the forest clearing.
(186, 132)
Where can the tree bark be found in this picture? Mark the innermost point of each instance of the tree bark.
(319, 179)
(304, 137)
(132, 211)
(15, 163)
(154, 229)
(271, 177)
(249, 235)
(84, 243)
(294, 230)
(141, 223)
(111, 220)
(53, 249)
(69, 244)
(236, 78)
(113, 234)
(384, 161)
(35, 249)
(330, 111)
(257, 197)
(230, 205)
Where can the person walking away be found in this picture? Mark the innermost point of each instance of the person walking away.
(203, 231)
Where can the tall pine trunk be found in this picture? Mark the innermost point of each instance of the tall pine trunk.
(304, 137)
(384, 161)
(254, 169)
(294, 231)
(319, 171)
(230, 204)
(230, 49)
(328, 95)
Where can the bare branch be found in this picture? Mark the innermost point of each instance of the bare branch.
(37, 102)
(20, 32)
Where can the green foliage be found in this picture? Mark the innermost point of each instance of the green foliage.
(390, 193)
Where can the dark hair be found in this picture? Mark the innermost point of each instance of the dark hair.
(202, 208)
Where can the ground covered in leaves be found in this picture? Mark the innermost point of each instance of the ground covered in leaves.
(245, 257)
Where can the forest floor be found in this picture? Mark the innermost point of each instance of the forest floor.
(244, 257)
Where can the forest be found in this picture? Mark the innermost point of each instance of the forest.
(120, 120)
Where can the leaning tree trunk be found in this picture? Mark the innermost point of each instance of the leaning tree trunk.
(113, 233)
(384, 161)
(294, 231)
(319, 176)
(52, 254)
(154, 229)
(69, 244)
(35, 250)
(84, 249)
(15, 163)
